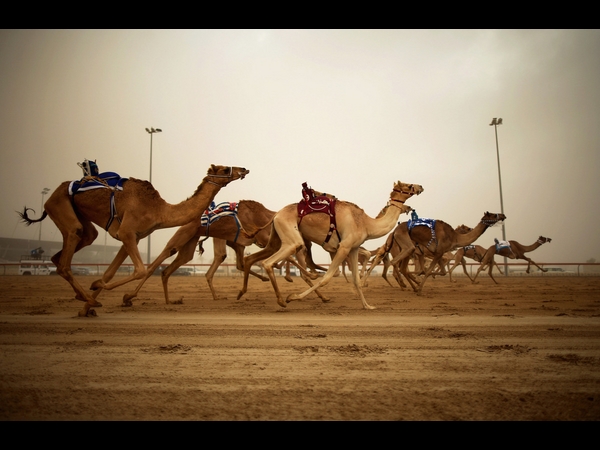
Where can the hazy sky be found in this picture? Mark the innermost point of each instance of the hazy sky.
(348, 111)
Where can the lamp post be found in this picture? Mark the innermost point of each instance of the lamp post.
(151, 131)
(495, 123)
(44, 192)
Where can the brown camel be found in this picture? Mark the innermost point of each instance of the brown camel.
(392, 248)
(224, 231)
(354, 228)
(474, 252)
(139, 210)
(515, 251)
(444, 240)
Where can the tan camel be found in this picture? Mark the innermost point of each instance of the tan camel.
(515, 251)
(224, 231)
(139, 210)
(354, 228)
(445, 239)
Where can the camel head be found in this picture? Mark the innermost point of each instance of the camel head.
(401, 193)
(543, 240)
(223, 175)
(408, 189)
(490, 219)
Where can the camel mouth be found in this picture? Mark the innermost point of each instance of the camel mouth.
(243, 173)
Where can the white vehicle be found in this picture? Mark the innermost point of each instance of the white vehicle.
(37, 267)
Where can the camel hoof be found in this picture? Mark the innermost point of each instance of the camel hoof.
(88, 313)
(289, 279)
(281, 303)
(94, 303)
(370, 307)
(291, 297)
(126, 303)
(325, 300)
(240, 295)
(176, 302)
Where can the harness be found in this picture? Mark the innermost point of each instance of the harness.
(105, 180)
(311, 203)
(216, 212)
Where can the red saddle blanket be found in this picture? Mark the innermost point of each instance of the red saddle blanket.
(312, 203)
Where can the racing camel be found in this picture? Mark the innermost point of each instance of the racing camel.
(392, 248)
(514, 251)
(225, 230)
(137, 209)
(438, 237)
(474, 252)
(353, 228)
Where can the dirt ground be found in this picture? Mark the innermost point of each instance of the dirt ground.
(526, 349)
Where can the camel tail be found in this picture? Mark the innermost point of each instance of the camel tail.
(251, 233)
(25, 218)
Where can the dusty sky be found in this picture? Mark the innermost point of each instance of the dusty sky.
(348, 111)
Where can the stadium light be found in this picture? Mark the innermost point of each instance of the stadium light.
(495, 123)
(151, 131)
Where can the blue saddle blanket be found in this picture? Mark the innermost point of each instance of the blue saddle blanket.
(105, 180)
(215, 212)
(425, 222)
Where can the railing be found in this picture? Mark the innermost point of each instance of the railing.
(514, 269)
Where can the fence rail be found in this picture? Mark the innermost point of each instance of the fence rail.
(225, 269)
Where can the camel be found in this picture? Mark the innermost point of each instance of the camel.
(420, 254)
(515, 251)
(224, 231)
(474, 252)
(354, 227)
(139, 210)
(443, 240)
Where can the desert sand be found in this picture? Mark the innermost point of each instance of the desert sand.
(525, 349)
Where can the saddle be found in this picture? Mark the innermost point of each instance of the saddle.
(500, 245)
(430, 223)
(323, 203)
(216, 212)
(104, 180)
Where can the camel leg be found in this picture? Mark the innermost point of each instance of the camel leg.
(186, 238)
(220, 254)
(491, 268)
(530, 262)
(272, 246)
(386, 265)
(284, 252)
(341, 254)
(185, 254)
(130, 242)
(353, 257)
(76, 235)
(488, 258)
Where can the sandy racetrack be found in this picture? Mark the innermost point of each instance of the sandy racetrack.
(527, 349)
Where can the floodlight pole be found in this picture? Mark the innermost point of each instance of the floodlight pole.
(495, 123)
(44, 192)
(151, 131)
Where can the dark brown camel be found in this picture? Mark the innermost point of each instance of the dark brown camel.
(139, 211)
